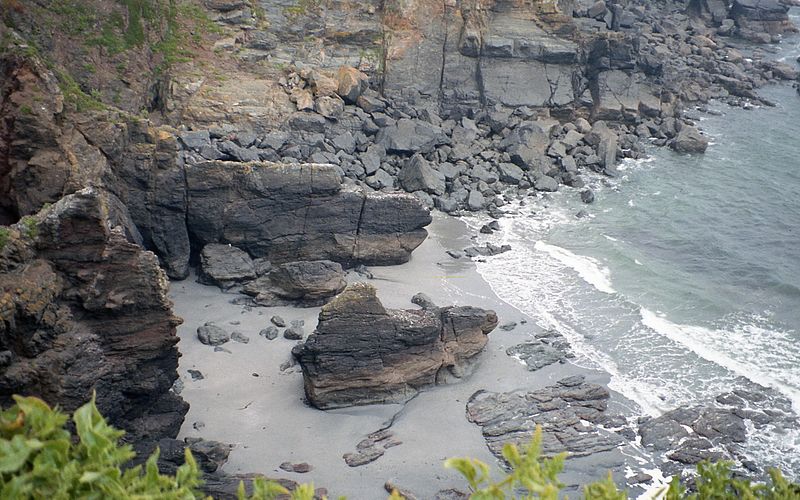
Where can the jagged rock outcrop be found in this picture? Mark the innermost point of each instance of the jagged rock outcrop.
(362, 353)
(85, 308)
(561, 410)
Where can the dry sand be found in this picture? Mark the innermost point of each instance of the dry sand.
(244, 399)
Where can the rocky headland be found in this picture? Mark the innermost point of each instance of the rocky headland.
(282, 148)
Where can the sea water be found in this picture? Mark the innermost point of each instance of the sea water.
(683, 282)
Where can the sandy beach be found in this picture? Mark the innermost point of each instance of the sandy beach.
(245, 399)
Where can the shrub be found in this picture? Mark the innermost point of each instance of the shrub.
(40, 459)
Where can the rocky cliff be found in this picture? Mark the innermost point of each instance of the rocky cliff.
(363, 353)
(84, 308)
(287, 130)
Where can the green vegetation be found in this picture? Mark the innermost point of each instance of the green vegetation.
(5, 235)
(31, 226)
(40, 459)
(302, 8)
(75, 96)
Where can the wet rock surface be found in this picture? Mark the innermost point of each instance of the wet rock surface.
(362, 353)
(715, 431)
(546, 348)
(560, 409)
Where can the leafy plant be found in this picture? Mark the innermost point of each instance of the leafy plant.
(530, 475)
(5, 235)
(38, 458)
(31, 226)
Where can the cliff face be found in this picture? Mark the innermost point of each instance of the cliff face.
(84, 308)
(130, 115)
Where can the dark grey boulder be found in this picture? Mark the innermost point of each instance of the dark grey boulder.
(689, 140)
(195, 140)
(211, 334)
(418, 175)
(240, 337)
(294, 333)
(587, 196)
(510, 173)
(225, 266)
(308, 122)
(370, 104)
(308, 280)
(535, 355)
(345, 142)
(476, 201)
(423, 301)
(411, 136)
(545, 183)
(269, 333)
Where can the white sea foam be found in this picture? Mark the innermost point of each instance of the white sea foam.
(588, 268)
(696, 339)
(609, 238)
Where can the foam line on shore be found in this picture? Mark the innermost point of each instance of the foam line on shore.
(587, 268)
(688, 335)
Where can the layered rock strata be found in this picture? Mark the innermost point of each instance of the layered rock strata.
(362, 353)
(85, 309)
(292, 212)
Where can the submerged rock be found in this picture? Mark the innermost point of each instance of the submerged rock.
(362, 353)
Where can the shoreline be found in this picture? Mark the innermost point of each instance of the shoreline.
(267, 421)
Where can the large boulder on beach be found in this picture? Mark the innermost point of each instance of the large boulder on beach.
(308, 280)
(362, 353)
(411, 136)
(211, 334)
(302, 283)
(689, 140)
(225, 266)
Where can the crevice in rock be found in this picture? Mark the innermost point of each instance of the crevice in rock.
(9, 213)
(445, 19)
